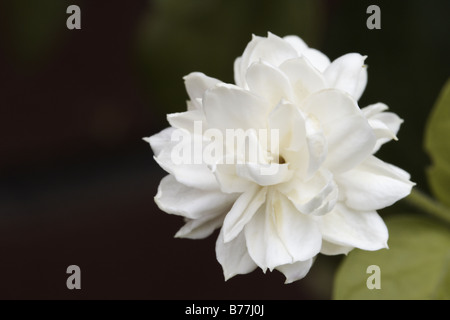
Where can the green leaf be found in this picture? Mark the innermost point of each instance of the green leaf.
(437, 144)
(416, 265)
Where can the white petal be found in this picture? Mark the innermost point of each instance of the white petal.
(265, 174)
(303, 77)
(315, 57)
(319, 60)
(373, 185)
(176, 198)
(332, 249)
(348, 73)
(298, 232)
(160, 140)
(295, 271)
(316, 196)
(317, 145)
(384, 124)
(228, 180)
(242, 211)
(185, 120)
(349, 142)
(202, 227)
(290, 123)
(239, 77)
(193, 175)
(349, 136)
(374, 109)
(233, 256)
(196, 84)
(263, 243)
(297, 43)
(272, 49)
(360, 229)
(230, 107)
(268, 82)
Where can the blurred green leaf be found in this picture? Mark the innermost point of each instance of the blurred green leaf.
(416, 265)
(437, 144)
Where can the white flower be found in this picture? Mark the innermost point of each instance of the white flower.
(328, 184)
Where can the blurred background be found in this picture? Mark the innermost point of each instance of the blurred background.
(76, 180)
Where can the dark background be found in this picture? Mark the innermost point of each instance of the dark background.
(77, 181)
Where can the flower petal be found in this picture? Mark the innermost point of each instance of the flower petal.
(317, 145)
(160, 140)
(384, 124)
(348, 227)
(332, 249)
(297, 43)
(265, 174)
(194, 175)
(304, 78)
(196, 84)
(373, 185)
(316, 196)
(349, 136)
(348, 73)
(268, 82)
(230, 107)
(272, 49)
(202, 227)
(295, 271)
(186, 120)
(315, 57)
(176, 198)
(288, 120)
(242, 211)
(239, 77)
(233, 256)
(299, 233)
(319, 60)
(263, 243)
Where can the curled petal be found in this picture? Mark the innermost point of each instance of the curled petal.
(295, 271)
(373, 185)
(233, 256)
(196, 84)
(384, 124)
